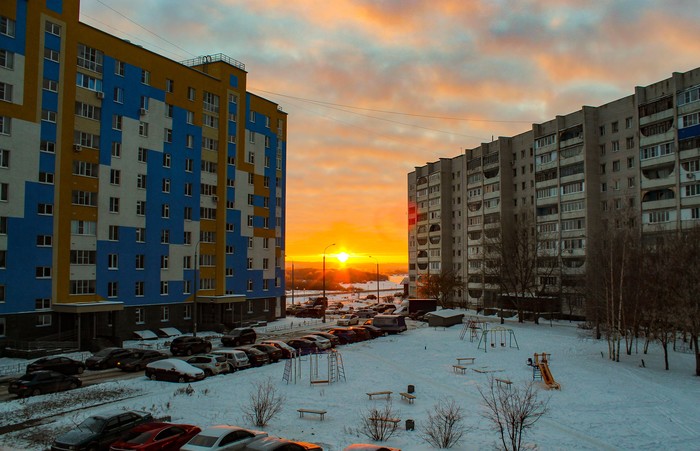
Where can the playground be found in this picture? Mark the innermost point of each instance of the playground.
(590, 411)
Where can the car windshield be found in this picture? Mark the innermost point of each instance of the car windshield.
(92, 424)
(203, 440)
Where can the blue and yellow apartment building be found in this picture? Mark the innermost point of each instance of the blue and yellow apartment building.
(136, 192)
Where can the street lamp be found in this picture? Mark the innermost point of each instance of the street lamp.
(324, 278)
(377, 260)
(194, 299)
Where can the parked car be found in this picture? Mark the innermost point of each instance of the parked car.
(366, 313)
(223, 437)
(42, 381)
(302, 346)
(236, 359)
(255, 356)
(189, 346)
(139, 359)
(392, 324)
(107, 358)
(360, 333)
(280, 444)
(374, 332)
(174, 370)
(335, 341)
(348, 320)
(367, 447)
(156, 436)
(310, 312)
(239, 336)
(332, 312)
(345, 335)
(101, 430)
(287, 351)
(321, 343)
(58, 364)
(273, 352)
(211, 364)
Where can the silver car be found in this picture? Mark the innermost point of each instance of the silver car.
(210, 364)
(223, 437)
(321, 343)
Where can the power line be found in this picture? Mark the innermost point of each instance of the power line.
(321, 102)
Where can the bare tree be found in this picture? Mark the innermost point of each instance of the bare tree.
(265, 403)
(688, 288)
(375, 425)
(445, 425)
(441, 286)
(512, 411)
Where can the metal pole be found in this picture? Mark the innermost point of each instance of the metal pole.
(377, 260)
(324, 278)
(292, 282)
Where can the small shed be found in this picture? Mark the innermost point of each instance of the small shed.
(444, 318)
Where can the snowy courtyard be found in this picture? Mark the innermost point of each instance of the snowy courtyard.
(602, 405)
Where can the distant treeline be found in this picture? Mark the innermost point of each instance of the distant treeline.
(312, 279)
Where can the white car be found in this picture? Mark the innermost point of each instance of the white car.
(223, 437)
(348, 320)
(321, 343)
(174, 370)
(210, 364)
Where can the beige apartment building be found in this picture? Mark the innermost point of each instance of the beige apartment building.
(633, 163)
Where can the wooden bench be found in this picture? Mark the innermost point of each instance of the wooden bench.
(396, 421)
(320, 381)
(459, 369)
(320, 413)
(465, 359)
(503, 382)
(408, 397)
(386, 394)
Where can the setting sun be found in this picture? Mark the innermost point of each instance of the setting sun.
(343, 257)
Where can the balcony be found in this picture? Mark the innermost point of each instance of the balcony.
(661, 115)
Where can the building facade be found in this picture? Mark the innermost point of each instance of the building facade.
(633, 163)
(136, 192)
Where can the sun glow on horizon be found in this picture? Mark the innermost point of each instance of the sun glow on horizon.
(343, 257)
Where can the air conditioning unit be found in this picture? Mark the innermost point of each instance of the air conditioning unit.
(142, 111)
(100, 94)
(690, 175)
(77, 148)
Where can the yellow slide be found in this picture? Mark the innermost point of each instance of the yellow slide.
(547, 376)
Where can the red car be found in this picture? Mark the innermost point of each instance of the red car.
(156, 436)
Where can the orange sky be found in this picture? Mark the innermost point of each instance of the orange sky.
(374, 89)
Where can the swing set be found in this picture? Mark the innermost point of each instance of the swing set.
(497, 335)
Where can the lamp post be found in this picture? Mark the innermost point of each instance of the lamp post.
(324, 278)
(292, 282)
(377, 260)
(194, 299)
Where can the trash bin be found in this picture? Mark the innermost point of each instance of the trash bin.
(410, 389)
(410, 425)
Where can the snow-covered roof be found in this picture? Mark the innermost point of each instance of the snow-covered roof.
(445, 313)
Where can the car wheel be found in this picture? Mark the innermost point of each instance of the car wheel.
(208, 373)
(36, 392)
(207, 349)
(181, 379)
(189, 351)
(153, 377)
(81, 370)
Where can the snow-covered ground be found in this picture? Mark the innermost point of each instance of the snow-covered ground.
(602, 405)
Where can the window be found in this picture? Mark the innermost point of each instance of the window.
(142, 155)
(43, 320)
(601, 130)
(119, 68)
(5, 125)
(209, 121)
(45, 209)
(616, 166)
(87, 228)
(165, 211)
(250, 221)
(140, 312)
(46, 177)
(615, 127)
(113, 261)
(141, 208)
(118, 95)
(114, 205)
(164, 311)
(89, 111)
(89, 58)
(51, 55)
(46, 115)
(44, 240)
(189, 117)
(615, 146)
(189, 165)
(113, 233)
(88, 82)
(116, 122)
(628, 122)
(251, 137)
(115, 176)
(47, 146)
(82, 287)
(145, 77)
(85, 169)
(166, 160)
(189, 141)
(191, 93)
(143, 129)
(164, 262)
(250, 199)
(116, 150)
(50, 85)
(250, 288)
(3, 225)
(168, 135)
(251, 157)
(251, 178)
(630, 143)
(165, 236)
(6, 93)
(266, 263)
(42, 304)
(140, 235)
(169, 85)
(166, 185)
(84, 139)
(7, 59)
(112, 289)
(87, 198)
(188, 307)
(630, 162)
(4, 158)
(43, 272)
(140, 261)
(630, 182)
